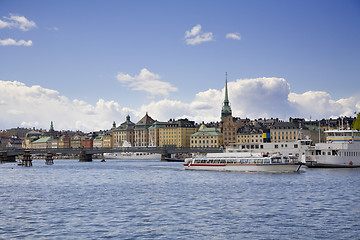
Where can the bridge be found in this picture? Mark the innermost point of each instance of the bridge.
(85, 154)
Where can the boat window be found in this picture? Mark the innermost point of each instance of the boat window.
(276, 146)
(295, 146)
(266, 161)
(251, 161)
(244, 161)
(261, 146)
(276, 160)
(318, 152)
(259, 161)
(222, 161)
(329, 153)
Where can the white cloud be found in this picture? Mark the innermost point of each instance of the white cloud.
(36, 106)
(148, 82)
(19, 22)
(235, 36)
(12, 42)
(195, 36)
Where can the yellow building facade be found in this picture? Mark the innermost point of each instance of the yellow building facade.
(206, 138)
(176, 133)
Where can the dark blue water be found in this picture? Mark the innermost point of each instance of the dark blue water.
(160, 200)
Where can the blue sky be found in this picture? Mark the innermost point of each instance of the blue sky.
(138, 56)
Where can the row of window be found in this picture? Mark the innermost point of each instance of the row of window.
(204, 141)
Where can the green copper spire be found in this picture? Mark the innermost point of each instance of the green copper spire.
(226, 109)
(51, 127)
(226, 101)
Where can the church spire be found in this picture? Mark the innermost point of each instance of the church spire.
(51, 127)
(226, 91)
(226, 109)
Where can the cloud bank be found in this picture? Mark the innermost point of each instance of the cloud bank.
(35, 106)
(196, 36)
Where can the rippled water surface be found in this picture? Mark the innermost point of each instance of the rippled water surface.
(159, 200)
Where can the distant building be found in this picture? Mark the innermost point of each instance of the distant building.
(108, 140)
(98, 141)
(284, 132)
(229, 124)
(41, 143)
(154, 136)
(75, 141)
(141, 131)
(206, 137)
(64, 141)
(31, 137)
(124, 133)
(176, 133)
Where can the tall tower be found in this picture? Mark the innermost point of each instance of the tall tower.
(51, 127)
(226, 109)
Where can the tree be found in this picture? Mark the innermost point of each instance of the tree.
(356, 123)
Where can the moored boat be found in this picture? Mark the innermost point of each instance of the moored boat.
(132, 155)
(341, 150)
(244, 162)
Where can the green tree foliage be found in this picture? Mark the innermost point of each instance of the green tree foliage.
(356, 123)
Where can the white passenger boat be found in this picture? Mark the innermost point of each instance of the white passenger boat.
(296, 148)
(341, 150)
(132, 155)
(244, 162)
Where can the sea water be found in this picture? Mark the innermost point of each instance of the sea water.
(150, 199)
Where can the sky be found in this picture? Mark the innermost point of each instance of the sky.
(85, 64)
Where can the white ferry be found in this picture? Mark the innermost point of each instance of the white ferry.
(290, 149)
(244, 162)
(342, 149)
(132, 155)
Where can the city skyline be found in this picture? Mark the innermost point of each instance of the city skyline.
(84, 66)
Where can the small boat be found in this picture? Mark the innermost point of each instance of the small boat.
(244, 162)
(103, 160)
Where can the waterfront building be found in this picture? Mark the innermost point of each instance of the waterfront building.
(229, 124)
(141, 131)
(31, 137)
(124, 133)
(284, 132)
(64, 141)
(206, 137)
(42, 142)
(154, 139)
(55, 142)
(87, 142)
(176, 133)
(108, 140)
(75, 141)
(98, 141)
(13, 142)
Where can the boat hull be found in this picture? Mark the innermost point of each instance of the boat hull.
(269, 168)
